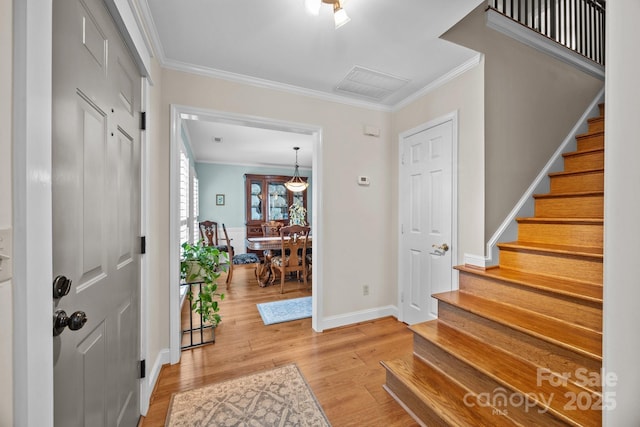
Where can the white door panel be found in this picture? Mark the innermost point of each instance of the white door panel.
(426, 214)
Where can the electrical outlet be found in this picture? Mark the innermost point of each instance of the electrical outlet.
(365, 290)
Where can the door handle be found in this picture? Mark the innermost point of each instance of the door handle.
(74, 322)
(440, 250)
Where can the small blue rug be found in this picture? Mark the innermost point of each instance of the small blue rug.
(285, 310)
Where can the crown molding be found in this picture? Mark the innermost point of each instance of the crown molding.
(440, 81)
(154, 39)
(269, 84)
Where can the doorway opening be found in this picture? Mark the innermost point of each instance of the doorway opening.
(179, 114)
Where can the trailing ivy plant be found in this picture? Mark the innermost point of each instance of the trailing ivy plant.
(203, 264)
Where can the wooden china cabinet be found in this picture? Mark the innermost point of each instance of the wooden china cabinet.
(267, 199)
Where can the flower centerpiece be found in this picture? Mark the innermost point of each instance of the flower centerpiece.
(297, 214)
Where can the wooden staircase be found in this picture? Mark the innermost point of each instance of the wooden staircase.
(521, 343)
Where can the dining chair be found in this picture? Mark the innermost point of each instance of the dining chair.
(233, 258)
(309, 259)
(209, 233)
(271, 229)
(293, 243)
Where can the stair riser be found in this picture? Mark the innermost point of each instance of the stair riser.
(589, 235)
(584, 161)
(571, 310)
(596, 124)
(589, 142)
(421, 410)
(593, 181)
(477, 383)
(538, 351)
(601, 108)
(551, 264)
(570, 207)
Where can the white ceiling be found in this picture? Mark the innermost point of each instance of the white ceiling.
(276, 43)
(242, 145)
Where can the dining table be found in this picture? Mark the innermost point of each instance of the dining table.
(267, 245)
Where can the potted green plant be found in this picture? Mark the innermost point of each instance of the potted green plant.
(297, 214)
(203, 264)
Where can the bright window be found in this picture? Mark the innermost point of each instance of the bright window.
(189, 200)
(184, 196)
(195, 206)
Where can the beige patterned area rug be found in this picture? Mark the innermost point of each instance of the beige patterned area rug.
(277, 397)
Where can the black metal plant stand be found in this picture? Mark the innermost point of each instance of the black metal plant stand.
(197, 334)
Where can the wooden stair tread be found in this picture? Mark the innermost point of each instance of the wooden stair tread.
(577, 313)
(583, 251)
(573, 194)
(583, 152)
(590, 134)
(440, 394)
(562, 220)
(580, 172)
(564, 334)
(540, 352)
(573, 288)
(509, 370)
(477, 385)
(596, 124)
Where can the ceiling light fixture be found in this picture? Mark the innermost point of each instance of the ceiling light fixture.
(339, 14)
(296, 184)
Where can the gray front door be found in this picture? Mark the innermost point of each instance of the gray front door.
(96, 211)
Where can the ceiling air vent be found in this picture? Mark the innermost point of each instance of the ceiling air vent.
(370, 84)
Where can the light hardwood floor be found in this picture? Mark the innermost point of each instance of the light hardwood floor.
(341, 365)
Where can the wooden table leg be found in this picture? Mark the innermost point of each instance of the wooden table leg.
(264, 270)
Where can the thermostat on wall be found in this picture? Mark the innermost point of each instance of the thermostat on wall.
(363, 180)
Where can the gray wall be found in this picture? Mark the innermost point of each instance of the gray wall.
(531, 103)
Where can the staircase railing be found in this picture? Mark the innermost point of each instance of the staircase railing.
(577, 24)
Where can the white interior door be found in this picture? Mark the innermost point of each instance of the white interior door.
(96, 211)
(426, 210)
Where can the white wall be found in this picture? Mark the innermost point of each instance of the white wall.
(6, 309)
(622, 211)
(157, 243)
(466, 95)
(361, 215)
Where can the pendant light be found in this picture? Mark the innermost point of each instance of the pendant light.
(296, 184)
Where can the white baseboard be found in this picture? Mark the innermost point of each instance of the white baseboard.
(358, 316)
(477, 260)
(148, 384)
